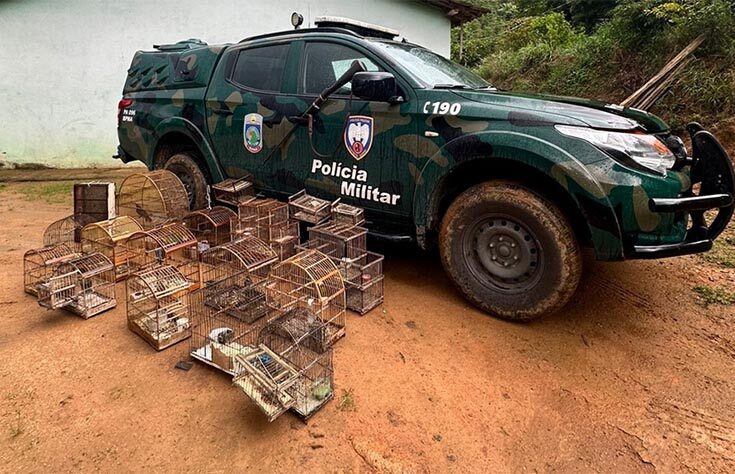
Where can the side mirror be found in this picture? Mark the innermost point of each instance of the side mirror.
(377, 86)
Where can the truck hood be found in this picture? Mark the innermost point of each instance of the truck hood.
(593, 113)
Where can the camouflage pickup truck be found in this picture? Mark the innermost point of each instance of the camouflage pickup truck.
(509, 187)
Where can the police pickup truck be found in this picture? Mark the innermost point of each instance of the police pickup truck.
(509, 187)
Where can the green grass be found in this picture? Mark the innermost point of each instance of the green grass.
(723, 252)
(51, 192)
(707, 295)
(2, 186)
(347, 401)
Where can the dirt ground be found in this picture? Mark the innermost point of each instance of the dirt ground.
(634, 376)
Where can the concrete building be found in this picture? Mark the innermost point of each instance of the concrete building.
(63, 64)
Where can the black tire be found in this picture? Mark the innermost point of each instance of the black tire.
(186, 168)
(510, 252)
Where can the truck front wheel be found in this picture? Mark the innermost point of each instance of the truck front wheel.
(185, 167)
(511, 252)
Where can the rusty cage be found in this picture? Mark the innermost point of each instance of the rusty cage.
(153, 198)
(109, 238)
(214, 226)
(158, 306)
(170, 244)
(290, 368)
(39, 265)
(310, 280)
(85, 286)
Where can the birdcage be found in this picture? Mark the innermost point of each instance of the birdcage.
(350, 241)
(67, 231)
(347, 215)
(226, 317)
(109, 238)
(249, 254)
(290, 368)
(95, 199)
(306, 208)
(169, 244)
(158, 306)
(261, 215)
(233, 191)
(84, 286)
(312, 281)
(365, 297)
(153, 198)
(39, 264)
(214, 226)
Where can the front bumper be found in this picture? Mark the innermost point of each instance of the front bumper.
(712, 168)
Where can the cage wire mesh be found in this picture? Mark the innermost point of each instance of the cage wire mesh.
(226, 317)
(39, 264)
(84, 285)
(249, 254)
(158, 306)
(153, 198)
(310, 280)
(232, 191)
(214, 226)
(290, 368)
(171, 244)
(109, 238)
(349, 242)
(310, 209)
(67, 230)
(269, 220)
(345, 214)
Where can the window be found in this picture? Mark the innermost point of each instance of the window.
(326, 62)
(261, 68)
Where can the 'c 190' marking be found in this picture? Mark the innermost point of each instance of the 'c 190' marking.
(442, 108)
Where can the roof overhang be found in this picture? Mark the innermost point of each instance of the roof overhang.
(458, 12)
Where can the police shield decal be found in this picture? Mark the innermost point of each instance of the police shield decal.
(253, 133)
(359, 136)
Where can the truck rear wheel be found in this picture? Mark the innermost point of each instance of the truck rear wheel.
(509, 251)
(185, 167)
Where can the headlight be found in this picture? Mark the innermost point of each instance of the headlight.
(637, 151)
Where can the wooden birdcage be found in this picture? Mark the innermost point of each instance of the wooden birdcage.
(39, 265)
(310, 209)
(233, 191)
(350, 242)
(312, 281)
(290, 368)
(347, 215)
(158, 306)
(169, 244)
(109, 238)
(84, 286)
(67, 231)
(248, 254)
(261, 214)
(153, 198)
(214, 226)
(226, 317)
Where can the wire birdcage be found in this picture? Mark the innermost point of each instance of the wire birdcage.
(153, 198)
(350, 242)
(290, 368)
(249, 254)
(306, 208)
(170, 244)
(347, 215)
(226, 317)
(233, 191)
(67, 231)
(39, 265)
(312, 281)
(214, 226)
(158, 306)
(109, 238)
(260, 214)
(85, 286)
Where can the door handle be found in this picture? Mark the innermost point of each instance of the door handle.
(222, 111)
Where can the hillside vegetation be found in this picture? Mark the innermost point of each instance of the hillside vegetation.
(606, 49)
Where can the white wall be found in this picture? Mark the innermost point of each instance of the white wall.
(63, 62)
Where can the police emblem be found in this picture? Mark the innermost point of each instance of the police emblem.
(253, 133)
(359, 136)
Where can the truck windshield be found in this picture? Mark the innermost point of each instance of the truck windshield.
(430, 68)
